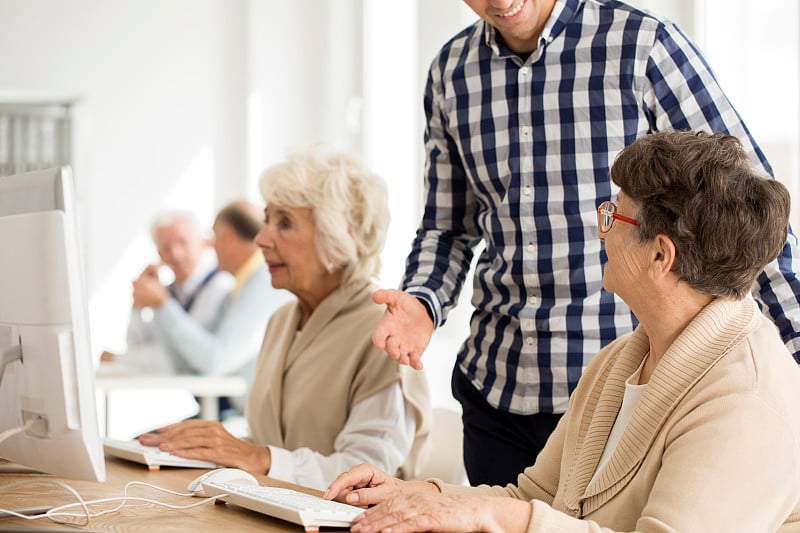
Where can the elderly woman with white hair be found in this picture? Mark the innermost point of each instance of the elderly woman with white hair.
(324, 398)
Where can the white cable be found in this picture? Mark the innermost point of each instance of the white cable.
(56, 512)
(50, 482)
(125, 498)
(13, 431)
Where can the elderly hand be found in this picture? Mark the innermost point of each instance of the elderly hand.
(427, 511)
(366, 485)
(148, 292)
(405, 329)
(209, 441)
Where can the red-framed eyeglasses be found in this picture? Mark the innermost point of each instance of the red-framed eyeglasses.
(607, 213)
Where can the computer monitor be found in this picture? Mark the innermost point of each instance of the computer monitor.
(46, 367)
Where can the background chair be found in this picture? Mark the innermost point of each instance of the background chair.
(446, 455)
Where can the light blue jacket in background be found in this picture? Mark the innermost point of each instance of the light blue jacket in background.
(230, 345)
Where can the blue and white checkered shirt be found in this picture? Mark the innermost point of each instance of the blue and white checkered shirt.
(518, 152)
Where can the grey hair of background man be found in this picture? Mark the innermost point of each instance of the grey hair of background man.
(349, 205)
(168, 218)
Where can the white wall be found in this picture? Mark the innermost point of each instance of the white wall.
(305, 71)
(754, 50)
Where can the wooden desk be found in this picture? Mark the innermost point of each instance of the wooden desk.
(140, 516)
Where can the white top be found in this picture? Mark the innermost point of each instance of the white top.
(381, 428)
(633, 394)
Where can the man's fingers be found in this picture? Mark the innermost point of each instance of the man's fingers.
(401, 332)
(379, 335)
(397, 351)
(393, 346)
(380, 296)
(387, 297)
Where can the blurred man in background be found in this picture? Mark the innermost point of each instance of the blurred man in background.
(229, 344)
(199, 288)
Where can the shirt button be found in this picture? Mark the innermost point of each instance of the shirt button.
(529, 341)
(523, 72)
(532, 300)
(526, 191)
(531, 248)
(525, 131)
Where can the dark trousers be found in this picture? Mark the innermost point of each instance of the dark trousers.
(498, 446)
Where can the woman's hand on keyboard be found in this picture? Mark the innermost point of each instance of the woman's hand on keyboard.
(209, 441)
(365, 485)
(454, 513)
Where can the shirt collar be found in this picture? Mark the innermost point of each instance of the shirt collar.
(206, 264)
(246, 270)
(562, 14)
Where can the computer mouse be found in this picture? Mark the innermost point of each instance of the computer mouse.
(226, 475)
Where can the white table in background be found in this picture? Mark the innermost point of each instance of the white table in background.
(207, 389)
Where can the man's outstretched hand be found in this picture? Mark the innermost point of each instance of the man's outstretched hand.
(405, 329)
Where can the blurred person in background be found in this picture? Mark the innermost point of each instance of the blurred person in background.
(199, 288)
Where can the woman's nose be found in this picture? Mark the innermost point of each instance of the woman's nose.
(264, 237)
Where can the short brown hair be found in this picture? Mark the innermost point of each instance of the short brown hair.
(244, 218)
(699, 189)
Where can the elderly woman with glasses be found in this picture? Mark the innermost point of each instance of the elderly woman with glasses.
(323, 398)
(691, 422)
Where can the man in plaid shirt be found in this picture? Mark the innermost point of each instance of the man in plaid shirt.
(526, 110)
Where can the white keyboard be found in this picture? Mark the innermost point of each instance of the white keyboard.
(309, 511)
(133, 450)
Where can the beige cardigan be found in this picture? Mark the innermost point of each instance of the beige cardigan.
(305, 384)
(713, 445)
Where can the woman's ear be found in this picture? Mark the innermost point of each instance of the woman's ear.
(663, 255)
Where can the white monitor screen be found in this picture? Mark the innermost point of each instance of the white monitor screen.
(48, 417)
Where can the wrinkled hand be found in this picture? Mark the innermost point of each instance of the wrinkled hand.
(427, 511)
(209, 441)
(366, 485)
(148, 292)
(405, 329)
